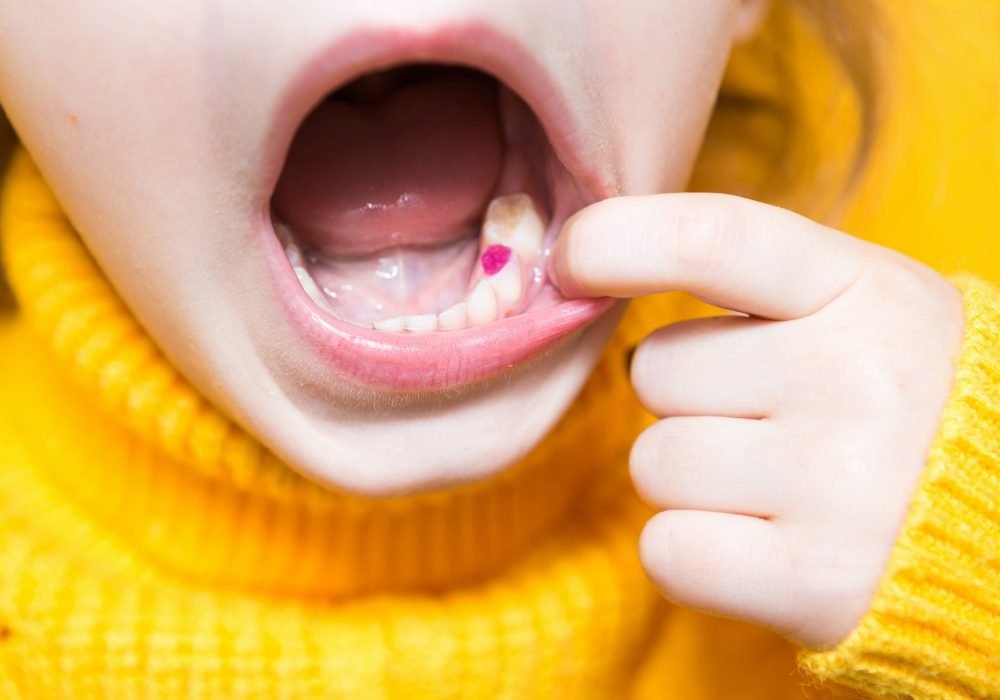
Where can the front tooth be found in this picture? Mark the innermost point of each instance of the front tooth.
(482, 304)
(507, 283)
(423, 323)
(394, 325)
(514, 221)
(454, 318)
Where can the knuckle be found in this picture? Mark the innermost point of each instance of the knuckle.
(903, 279)
(701, 234)
(855, 376)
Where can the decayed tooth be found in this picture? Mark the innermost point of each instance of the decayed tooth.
(507, 283)
(309, 284)
(423, 323)
(514, 221)
(482, 304)
(454, 318)
(395, 325)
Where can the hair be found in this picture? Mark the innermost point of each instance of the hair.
(762, 141)
(851, 33)
(855, 36)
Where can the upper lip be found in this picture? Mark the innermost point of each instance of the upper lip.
(471, 44)
(407, 362)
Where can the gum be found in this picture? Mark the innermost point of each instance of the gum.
(404, 302)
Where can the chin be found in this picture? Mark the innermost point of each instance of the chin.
(414, 188)
(384, 444)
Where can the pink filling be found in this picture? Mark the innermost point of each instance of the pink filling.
(494, 258)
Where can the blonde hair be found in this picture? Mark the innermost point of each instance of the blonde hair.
(856, 37)
(762, 141)
(853, 38)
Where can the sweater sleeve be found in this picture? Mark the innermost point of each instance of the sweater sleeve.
(933, 627)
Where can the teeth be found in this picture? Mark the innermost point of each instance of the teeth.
(424, 323)
(482, 304)
(394, 325)
(299, 267)
(514, 221)
(506, 284)
(454, 318)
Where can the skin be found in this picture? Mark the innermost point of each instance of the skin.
(149, 123)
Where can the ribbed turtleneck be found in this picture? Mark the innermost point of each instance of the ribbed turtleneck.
(195, 492)
(195, 541)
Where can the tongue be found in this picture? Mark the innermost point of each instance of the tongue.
(416, 166)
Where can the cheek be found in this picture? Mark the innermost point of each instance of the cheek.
(83, 79)
(658, 68)
(118, 120)
(101, 94)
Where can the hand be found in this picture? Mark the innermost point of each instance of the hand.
(793, 433)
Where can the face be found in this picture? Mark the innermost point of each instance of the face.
(289, 195)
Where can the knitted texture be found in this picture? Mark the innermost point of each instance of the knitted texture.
(150, 547)
(181, 450)
(87, 498)
(933, 630)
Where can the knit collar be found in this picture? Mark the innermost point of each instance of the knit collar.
(193, 492)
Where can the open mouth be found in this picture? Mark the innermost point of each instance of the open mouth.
(417, 206)
(418, 199)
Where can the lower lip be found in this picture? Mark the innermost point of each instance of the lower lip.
(426, 362)
(440, 360)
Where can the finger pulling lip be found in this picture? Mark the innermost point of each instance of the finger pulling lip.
(434, 361)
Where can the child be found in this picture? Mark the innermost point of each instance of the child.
(305, 296)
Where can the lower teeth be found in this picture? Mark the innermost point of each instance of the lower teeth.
(509, 269)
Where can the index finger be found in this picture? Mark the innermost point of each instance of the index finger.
(731, 252)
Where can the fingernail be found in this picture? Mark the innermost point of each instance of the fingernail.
(553, 275)
(550, 272)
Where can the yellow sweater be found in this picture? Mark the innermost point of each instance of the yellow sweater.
(151, 548)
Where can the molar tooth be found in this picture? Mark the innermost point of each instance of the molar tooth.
(395, 324)
(423, 323)
(454, 318)
(482, 304)
(514, 221)
(507, 283)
